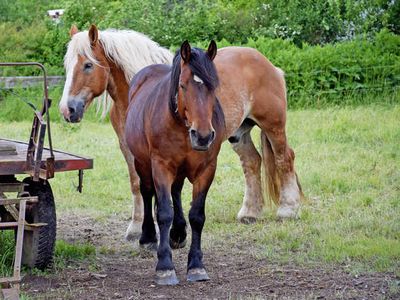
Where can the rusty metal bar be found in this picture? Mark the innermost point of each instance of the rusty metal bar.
(80, 181)
(29, 81)
(39, 151)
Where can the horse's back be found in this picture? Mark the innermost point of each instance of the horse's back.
(143, 90)
(146, 77)
(250, 86)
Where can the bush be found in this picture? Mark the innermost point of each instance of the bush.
(327, 48)
(351, 68)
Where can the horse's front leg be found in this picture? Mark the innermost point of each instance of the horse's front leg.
(148, 239)
(163, 179)
(197, 217)
(135, 225)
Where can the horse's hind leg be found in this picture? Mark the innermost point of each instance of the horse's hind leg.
(134, 229)
(177, 234)
(250, 159)
(288, 187)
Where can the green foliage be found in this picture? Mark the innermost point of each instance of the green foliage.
(301, 37)
(350, 72)
(21, 43)
(172, 21)
(26, 11)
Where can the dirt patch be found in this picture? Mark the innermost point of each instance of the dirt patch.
(235, 272)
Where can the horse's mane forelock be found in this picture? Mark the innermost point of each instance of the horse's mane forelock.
(200, 65)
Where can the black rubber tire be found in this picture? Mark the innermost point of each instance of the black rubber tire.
(38, 248)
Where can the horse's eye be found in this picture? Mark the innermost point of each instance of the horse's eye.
(88, 66)
(182, 86)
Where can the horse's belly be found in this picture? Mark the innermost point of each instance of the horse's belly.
(235, 98)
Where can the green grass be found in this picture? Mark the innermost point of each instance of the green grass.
(13, 104)
(64, 253)
(7, 250)
(348, 163)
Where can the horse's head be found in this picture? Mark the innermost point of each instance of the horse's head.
(87, 72)
(195, 93)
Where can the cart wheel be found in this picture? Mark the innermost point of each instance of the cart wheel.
(38, 247)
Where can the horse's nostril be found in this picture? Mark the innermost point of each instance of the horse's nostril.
(212, 135)
(193, 132)
(71, 110)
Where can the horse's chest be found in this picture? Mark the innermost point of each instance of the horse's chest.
(194, 165)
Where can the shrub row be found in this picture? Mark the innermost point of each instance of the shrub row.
(326, 73)
(350, 68)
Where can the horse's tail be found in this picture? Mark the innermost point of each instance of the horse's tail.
(271, 184)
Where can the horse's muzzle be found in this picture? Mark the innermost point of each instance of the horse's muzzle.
(199, 142)
(76, 109)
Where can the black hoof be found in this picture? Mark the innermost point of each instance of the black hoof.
(166, 277)
(248, 220)
(177, 245)
(198, 274)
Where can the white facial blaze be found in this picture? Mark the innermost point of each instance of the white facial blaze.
(197, 79)
(67, 86)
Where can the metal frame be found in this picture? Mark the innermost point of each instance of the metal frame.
(37, 168)
(39, 126)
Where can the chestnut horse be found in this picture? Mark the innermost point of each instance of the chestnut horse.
(252, 92)
(174, 129)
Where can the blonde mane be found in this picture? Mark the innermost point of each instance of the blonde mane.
(130, 50)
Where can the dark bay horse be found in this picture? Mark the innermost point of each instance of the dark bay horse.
(252, 92)
(174, 129)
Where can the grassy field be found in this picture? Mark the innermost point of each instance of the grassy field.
(348, 163)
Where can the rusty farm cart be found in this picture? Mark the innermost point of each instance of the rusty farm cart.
(30, 212)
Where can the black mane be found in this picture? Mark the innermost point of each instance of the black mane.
(200, 65)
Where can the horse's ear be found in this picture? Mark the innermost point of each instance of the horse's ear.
(212, 50)
(73, 30)
(93, 34)
(185, 51)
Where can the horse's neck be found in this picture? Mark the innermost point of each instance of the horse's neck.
(118, 89)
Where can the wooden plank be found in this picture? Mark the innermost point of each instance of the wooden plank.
(8, 280)
(63, 161)
(10, 201)
(11, 187)
(9, 294)
(8, 224)
(20, 239)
